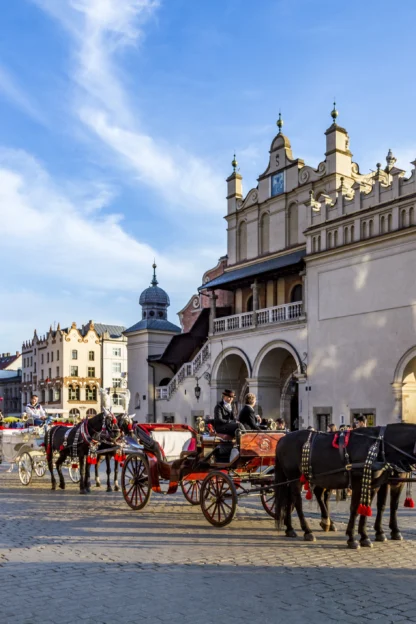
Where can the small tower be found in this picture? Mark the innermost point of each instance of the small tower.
(338, 155)
(154, 300)
(234, 187)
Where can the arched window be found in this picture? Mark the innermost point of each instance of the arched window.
(371, 228)
(346, 237)
(296, 294)
(352, 233)
(364, 229)
(242, 241)
(293, 224)
(403, 218)
(314, 244)
(382, 224)
(165, 381)
(389, 222)
(90, 412)
(265, 233)
(336, 238)
(74, 412)
(411, 216)
(329, 240)
(319, 242)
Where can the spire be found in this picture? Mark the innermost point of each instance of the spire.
(279, 123)
(154, 281)
(234, 164)
(391, 160)
(334, 112)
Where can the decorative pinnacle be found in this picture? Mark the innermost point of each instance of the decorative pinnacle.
(378, 167)
(234, 164)
(154, 280)
(279, 123)
(334, 112)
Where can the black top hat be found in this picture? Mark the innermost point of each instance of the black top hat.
(229, 393)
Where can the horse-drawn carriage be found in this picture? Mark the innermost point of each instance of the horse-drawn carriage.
(212, 470)
(24, 447)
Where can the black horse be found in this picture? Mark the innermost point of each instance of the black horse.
(108, 452)
(329, 471)
(81, 442)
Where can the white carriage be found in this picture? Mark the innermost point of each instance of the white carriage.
(25, 449)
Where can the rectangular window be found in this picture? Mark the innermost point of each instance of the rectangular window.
(91, 371)
(52, 356)
(73, 394)
(117, 399)
(47, 358)
(41, 359)
(91, 394)
(116, 367)
(168, 418)
(57, 371)
(24, 376)
(57, 356)
(49, 373)
(41, 374)
(91, 356)
(30, 376)
(31, 360)
(74, 354)
(57, 395)
(116, 382)
(34, 369)
(116, 351)
(50, 396)
(74, 371)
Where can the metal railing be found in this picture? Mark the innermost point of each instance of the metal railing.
(187, 370)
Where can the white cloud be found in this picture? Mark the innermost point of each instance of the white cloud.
(101, 30)
(13, 92)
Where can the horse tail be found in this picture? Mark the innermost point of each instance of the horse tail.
(282, 494)
(48, 444)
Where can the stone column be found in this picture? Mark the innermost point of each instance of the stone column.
(398, 402)
(254, 288)
(213, 313)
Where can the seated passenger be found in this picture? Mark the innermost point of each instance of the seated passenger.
(247, 415)
(224, 421)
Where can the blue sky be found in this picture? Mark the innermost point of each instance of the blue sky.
(119, 119)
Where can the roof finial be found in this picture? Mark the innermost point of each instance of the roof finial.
(154, 280)
(391, 160)
(234, 164)
(334, 112)
(279, 123)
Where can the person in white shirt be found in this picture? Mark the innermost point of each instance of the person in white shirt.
(34, 410)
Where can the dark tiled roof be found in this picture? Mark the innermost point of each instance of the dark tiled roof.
(252, 270)
(115, 331)
(154, 296)
(154, 325)
(7, 360)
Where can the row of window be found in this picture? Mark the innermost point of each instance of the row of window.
(264, 233)
(91, 354)
(28, 361)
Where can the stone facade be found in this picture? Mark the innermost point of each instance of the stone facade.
(67, 367)
(319, 278)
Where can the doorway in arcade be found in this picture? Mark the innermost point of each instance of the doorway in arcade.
(277, 387)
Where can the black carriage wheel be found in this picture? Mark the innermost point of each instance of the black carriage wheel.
(136, 482)
(268, 500)
(218, 499)
(192, 491)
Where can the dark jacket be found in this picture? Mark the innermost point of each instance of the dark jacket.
(221, 415)
(247, 418)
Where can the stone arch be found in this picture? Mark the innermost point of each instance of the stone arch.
(404, 387)
(226, 352)
(276, 344)
(231, 370)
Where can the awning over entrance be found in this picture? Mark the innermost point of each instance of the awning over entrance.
(230, 279)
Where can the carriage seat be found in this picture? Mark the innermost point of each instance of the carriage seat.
(172, 442)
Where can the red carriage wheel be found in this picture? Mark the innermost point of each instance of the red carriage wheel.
(135, 481)
(218, 499)
(192, 491)
(268, 500)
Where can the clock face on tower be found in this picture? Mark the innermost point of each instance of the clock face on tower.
(277, 184)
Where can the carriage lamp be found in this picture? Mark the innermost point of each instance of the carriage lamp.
(197, 390)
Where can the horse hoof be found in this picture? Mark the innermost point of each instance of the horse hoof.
(333, 527)
(82, 492)
(291, 533)
(366, 543)
(380, 537)
(325, 527)
(396, 536)
(353, 545)
(98, 484)
(309, 537)
(116, 488)
(62, 486)
(109, 488)
(53, 486)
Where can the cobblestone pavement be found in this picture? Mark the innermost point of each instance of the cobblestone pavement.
(66, 558)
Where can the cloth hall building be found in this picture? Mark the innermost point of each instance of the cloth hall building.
(313, 308)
